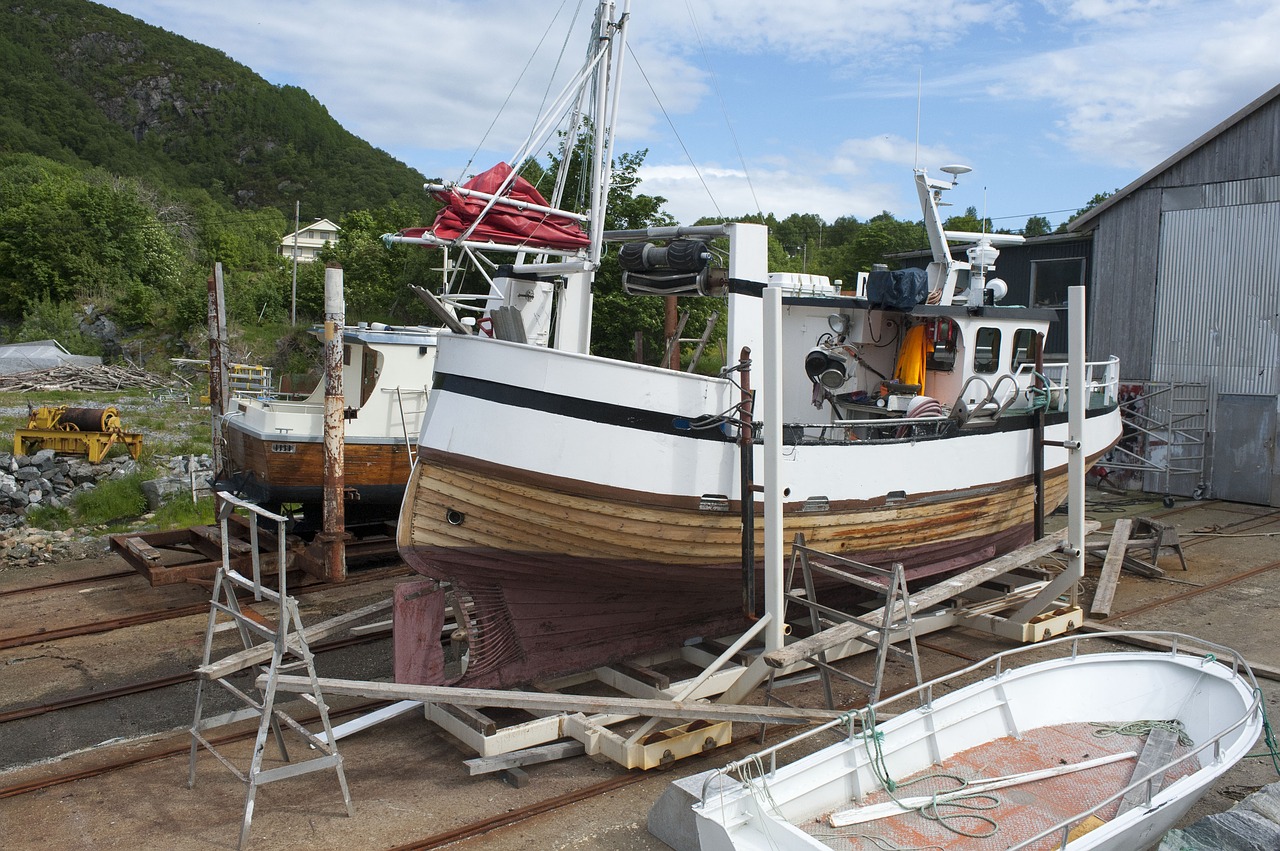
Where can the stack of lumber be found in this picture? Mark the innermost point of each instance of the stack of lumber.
(84, 378)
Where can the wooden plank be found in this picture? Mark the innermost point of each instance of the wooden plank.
(260, 653)
(592, 704)
(473, 718)
(1105, 593)
(528, 756)
(1156, 751)
(931, 596)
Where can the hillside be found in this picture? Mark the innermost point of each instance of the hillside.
(86, 85)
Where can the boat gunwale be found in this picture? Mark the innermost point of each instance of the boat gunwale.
(1178, 650)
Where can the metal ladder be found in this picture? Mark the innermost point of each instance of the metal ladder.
(268, 650)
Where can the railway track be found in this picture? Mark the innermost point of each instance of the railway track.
(186, 610)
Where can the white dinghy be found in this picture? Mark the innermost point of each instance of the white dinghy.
(1089, 750)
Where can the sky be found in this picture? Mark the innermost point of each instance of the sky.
(814, 106)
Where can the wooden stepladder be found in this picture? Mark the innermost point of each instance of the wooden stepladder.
(270, 650)
(881, 629)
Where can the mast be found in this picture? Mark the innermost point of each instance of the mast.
(573, 327)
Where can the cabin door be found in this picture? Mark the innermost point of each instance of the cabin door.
(1244, 450)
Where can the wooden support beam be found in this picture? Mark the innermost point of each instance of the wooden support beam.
(260, 653)
(528, 756)
(1106, 590)
(931, 596)
(575, 703)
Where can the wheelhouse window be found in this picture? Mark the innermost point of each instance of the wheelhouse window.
(986, 350)
(1024, 348)
(940, 344)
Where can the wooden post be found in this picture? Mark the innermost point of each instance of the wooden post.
(218, 383)
(334, 521)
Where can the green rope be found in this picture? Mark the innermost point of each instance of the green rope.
(960, 807)
(1268, 735)
(1142, 728)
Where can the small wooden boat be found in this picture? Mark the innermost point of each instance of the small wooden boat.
(1088, 750)
(275, 447)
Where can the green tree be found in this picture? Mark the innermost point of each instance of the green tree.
(1036, 226)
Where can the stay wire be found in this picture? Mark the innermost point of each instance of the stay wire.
(676, 132)
(715, 85)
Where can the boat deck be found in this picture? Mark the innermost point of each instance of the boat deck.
(1022, 811)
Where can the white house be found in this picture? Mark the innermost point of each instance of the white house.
(310, 239)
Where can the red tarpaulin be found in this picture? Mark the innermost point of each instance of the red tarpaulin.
(502, 224)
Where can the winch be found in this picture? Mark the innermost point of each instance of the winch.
(75, 431)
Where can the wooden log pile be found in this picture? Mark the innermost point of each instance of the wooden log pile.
(86, 378)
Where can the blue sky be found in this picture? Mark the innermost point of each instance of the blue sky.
(803, 107)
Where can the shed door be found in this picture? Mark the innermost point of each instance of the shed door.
(1244, 447)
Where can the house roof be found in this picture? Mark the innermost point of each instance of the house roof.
(318, 224)
(1085, 220)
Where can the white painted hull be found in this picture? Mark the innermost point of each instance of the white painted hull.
(1218, 706)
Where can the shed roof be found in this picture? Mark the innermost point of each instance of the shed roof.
(1083, 221)
(40, 354)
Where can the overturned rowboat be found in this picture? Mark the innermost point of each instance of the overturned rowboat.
(1089, 750)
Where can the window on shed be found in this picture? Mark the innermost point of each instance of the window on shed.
(986, 350)
(1024, 348)
(1051, 278)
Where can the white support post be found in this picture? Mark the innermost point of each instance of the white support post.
(773, 596)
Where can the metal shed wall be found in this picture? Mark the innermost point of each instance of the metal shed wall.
(1122, 309)
(1218, 302)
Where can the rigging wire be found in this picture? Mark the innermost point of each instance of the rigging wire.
(511, 93)
(672, 125)
(715, 85)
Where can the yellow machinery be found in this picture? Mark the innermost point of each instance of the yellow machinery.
(75, 431)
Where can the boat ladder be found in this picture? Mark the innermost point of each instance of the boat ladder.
(882, 629)
(269, 649)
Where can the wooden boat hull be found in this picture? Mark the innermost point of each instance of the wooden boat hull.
(279, 471)
(563, 581)
(1217, 704)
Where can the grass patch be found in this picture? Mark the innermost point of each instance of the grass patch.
(111, 500)
(182, 512)
(48, 517)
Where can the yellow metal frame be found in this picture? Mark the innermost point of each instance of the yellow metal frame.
(95, 444)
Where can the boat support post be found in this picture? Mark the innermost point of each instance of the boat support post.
(334, 508)
(774, 601)
(746, 485)
(1038, 440)
(1068, 581)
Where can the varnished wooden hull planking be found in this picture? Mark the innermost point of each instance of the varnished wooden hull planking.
(563, 582)
(374, 473)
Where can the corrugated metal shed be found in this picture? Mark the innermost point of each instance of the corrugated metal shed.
(42, 354)
(1186, 269)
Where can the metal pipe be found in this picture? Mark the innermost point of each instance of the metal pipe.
(1037, 448)
(774, 603)
(746, 486)
(1077, 398)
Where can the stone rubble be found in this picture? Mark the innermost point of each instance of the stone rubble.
(49, 479)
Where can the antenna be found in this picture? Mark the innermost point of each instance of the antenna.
(919, 99)
(955, 171)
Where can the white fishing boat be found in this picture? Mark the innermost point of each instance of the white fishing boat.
(1103, 751)
(585, 509)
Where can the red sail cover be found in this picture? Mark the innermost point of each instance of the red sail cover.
(503, 224)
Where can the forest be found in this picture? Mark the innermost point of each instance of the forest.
(132, 160)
